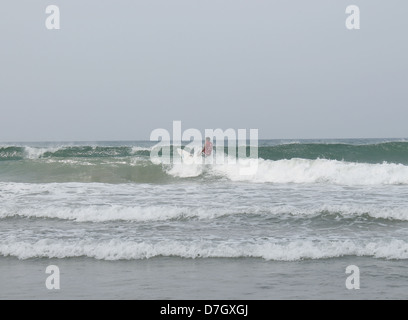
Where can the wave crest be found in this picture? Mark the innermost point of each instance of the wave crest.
(318, 171)
(268, 250)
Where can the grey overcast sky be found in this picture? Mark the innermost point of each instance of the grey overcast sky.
(118, 69)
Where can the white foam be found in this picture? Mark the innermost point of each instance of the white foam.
(317, 171)
(35, 152)
(162, 213)
(295, 171)
(268, 250)
(66, 201)
(136, 149)
(183, 170)
(114, 213)
(70, 162)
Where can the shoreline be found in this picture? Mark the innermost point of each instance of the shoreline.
(170, 278)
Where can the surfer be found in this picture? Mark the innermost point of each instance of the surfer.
(208, 147)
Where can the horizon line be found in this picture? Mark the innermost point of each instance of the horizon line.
(136, 140)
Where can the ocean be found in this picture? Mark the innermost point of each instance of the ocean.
(121, 226)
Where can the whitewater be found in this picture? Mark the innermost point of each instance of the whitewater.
(310, 204)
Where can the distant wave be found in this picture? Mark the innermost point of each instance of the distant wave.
(391, 152)
(61, 152)
(265, 249)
